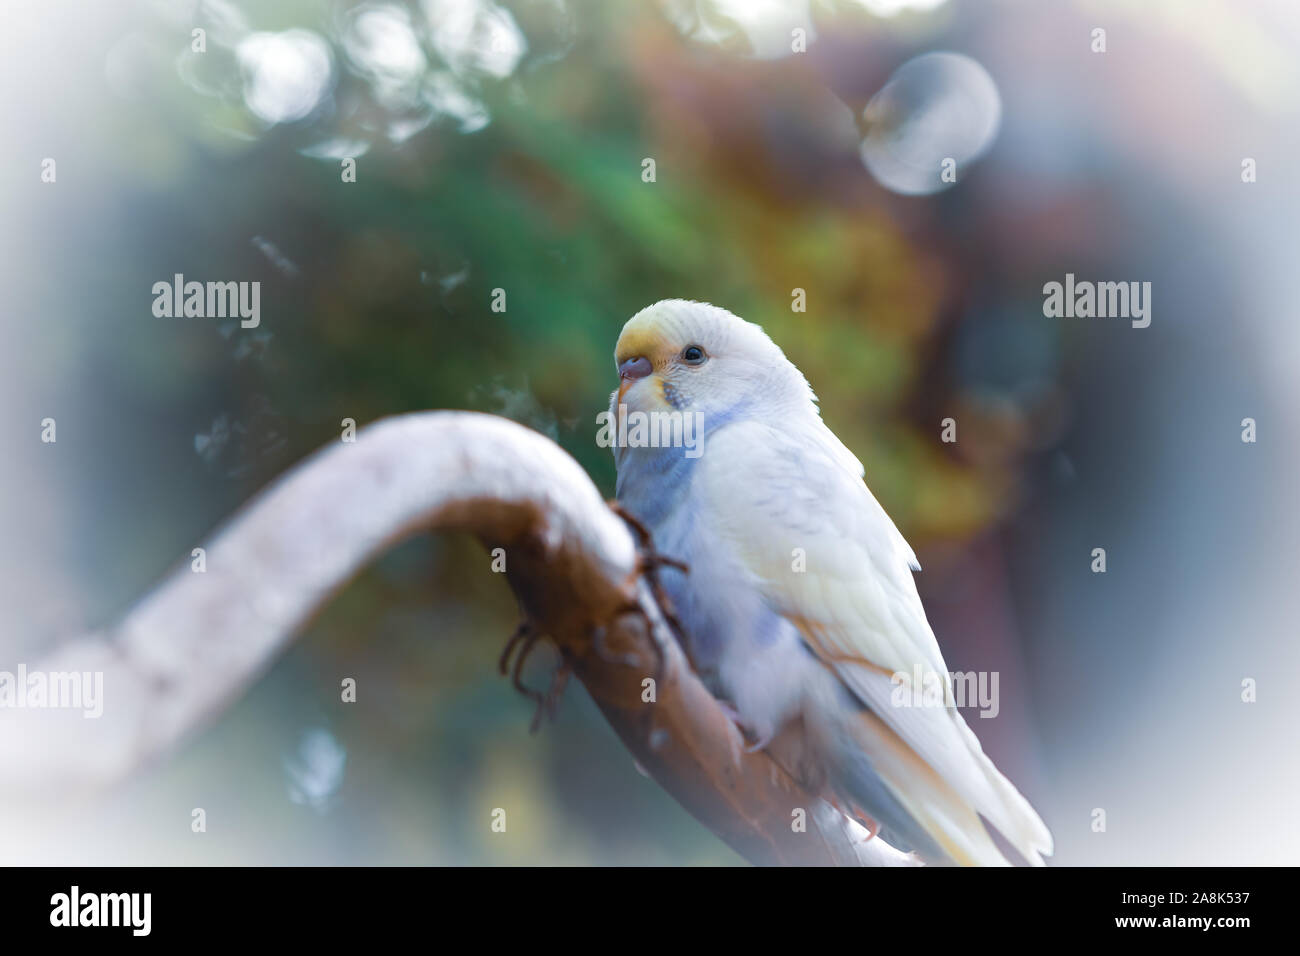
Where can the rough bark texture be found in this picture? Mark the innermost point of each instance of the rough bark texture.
(191, 647)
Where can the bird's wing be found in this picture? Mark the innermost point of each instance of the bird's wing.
(795, 508)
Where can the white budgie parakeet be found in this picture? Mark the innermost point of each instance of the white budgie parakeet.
(799, 605)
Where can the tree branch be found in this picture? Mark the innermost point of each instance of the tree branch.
(191, 647)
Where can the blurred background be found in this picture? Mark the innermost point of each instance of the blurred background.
(501, 145)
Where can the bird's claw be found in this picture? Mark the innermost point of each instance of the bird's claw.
(734, 716)
(648, 563)
(519, 646)
(871, 823)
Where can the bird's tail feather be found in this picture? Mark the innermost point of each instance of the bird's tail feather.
(874, 769)
(1010, 812)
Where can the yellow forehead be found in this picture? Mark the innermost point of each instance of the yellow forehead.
(660, 331)
(642, 339)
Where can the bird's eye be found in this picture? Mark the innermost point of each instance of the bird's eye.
(693, 355)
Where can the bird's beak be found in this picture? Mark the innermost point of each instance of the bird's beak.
(629, 371)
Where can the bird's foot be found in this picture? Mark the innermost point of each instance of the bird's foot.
(519, 646)
(737, 747)
(856, 813)
(648, 563)
(732, 714)
(745, 730)
(648, 558)
(872, 825)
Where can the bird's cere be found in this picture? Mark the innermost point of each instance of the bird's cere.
(652, 429)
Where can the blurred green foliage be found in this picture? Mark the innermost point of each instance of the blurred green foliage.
(376, 301)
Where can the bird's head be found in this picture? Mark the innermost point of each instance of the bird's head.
(677, 355)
